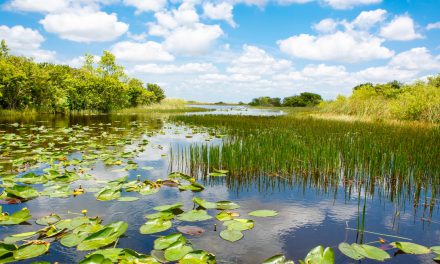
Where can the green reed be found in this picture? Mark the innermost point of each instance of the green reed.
(402, 160)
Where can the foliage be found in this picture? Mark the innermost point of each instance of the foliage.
(302, 100)
(417, 101)
(52, 88)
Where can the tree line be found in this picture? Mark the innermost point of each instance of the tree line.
(301, 100)
(46, 87)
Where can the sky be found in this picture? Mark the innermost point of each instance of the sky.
(235, 50)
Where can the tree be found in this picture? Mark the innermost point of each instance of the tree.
(107, 66)
(4, 50)
(302, 100)
(157, 91)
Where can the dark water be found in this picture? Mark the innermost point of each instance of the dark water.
(308, 216)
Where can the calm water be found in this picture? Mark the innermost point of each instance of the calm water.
(308, 216)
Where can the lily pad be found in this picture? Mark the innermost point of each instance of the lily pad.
(198, 257)
(167, 215)
(194, 216)
(177, 251)
(166, 241)
(371, 252)
(16, 218)
(168, 207)
(320, 256)
(109, 253)
(231, 235)
(48, 220)
(19, 237)
(226, 205)
(239, 224)
(264, 213)
(155, 226)
(96, 259)
(31, 250)
(278, 259)
(204, 204)
(104, 237)
(225, 216)
(22, 192)
(349, 251)
(411, 248)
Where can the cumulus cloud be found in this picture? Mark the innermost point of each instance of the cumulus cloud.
(137, 52)
(435, 25)
(221, 11)
(340, 46)
(146, 6)
(326, 25)
(85, 26)
(348, 4)
(401, 28)
(173, 69)
(366, 19)
(55, 6)
(26, 41)
(419, 59)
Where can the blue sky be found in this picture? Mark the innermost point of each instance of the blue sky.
(235, 50)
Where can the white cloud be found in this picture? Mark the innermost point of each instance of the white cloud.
(256, 61)
(85, 26)
(26, 41)
(135, 51)
(383, 74)
(366, 19)
(416, 59)
(44, 6)
(221, 11)
(435, 25)
(194, 40)
(146, 5)
(400, 28)
(173, 69)
(348, 4)
(326, 25)
(350, 46)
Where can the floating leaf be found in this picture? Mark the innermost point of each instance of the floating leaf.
(203, 203)
(19, 237)
(155, 226)
(96, 259)
(239, 224)
(195, 187)
(320, 256)
(371, 252)
(198, 257)
(149, 189)
(166, 241)
(104, 237)
(108, 194)
(436, 249)
(167, 215)
(264, 213)
(31, 250)
(48, 220)
(231, 235)
(129, 256)
(226, 205)
(194, 216)
(109, 253)
(177, 251)
(16, 218)
(191, 230)
(411, 248)
(168, 207)
(349, 251)
(225, 216)
(278, 259)
(22, 192)
(217, 174)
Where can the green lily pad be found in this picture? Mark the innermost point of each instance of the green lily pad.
(155, 226)
(96, 259)
(48, 220)
(264, 213)
(167, 215)
(217, 174)
(231, 235)
(411, 248)
(278, 259)
(166, 241)
(349, 251)
(129, 256)
(31, 250)
(177, 251)
(436, 249)
(149, 189)
(204, 204)
(371, 252)
(225, 216)
(194, 216)
(108, 194)
(198, 257)
(239, 224)
(168, 207)
(103, 237)
(195, 187)
(22, 192)
(226, 205)
(109, 253)
(320, 256)
(19, 237)
(16, 218)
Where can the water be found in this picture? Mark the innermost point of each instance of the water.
(308, 216)
(235, 110)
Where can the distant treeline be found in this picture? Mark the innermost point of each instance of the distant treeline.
(417, 101)
(45, 87)
(302, 100)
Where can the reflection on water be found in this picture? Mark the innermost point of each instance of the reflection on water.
(235, 110)
(309, 214)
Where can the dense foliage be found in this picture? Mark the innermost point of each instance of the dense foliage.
(393, 100)
(45, 87)
(302, 100)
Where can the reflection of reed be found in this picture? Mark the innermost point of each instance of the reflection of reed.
(395, 162)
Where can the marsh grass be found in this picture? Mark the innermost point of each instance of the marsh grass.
(168, 105)
(399, 162)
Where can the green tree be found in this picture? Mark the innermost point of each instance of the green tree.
(157, 91)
